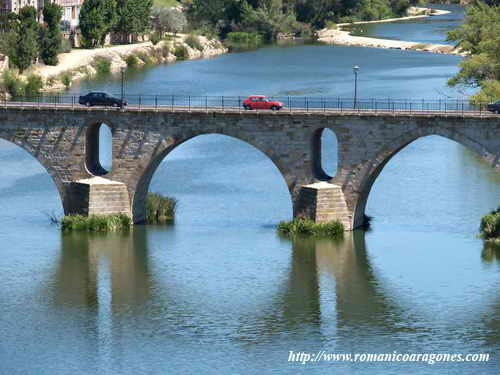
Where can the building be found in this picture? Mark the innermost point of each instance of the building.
(71, 10)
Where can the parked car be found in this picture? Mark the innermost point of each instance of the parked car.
(261, 102)
(101, 98)
(494, 107)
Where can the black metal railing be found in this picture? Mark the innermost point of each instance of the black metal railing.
(235, 103)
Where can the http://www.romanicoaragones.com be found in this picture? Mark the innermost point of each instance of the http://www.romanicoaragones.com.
(428, 358)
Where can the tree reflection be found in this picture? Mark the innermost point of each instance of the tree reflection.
(491, 252)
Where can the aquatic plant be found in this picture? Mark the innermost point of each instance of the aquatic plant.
(490, 226)
(96, 223)
(160, 209)
(307, 227)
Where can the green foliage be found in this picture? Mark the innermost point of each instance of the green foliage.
(97, 18)
(160, 209)
(66, 79)
(144, 57)
(490, 226)
(133, 18)
(13, 84)
(34, 85)
(490, 91)
(168, 20)
(193, 41)
(102, 64)
(239, 41)
(94, 223)
(23, 44)
(306, 227)
(181, 52)
(131, 60)
(479, 36)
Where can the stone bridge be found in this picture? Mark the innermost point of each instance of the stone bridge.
(65, 141)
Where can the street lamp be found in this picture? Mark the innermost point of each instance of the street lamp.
(122, 71)
(355, 69)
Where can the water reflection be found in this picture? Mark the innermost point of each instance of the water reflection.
(491, 252)
(89, 264)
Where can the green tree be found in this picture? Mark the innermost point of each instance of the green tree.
(479, 36)
(50, 36)
(97, 19)
(23, 43)
(168, 20)
(133, 18)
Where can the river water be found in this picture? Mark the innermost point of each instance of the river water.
(219, 292)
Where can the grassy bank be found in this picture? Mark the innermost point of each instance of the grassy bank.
(490, 226)
(94, 223)
(306, 227)
(160, 209)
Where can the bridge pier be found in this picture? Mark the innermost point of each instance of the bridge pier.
(323, 202)
(98, 196)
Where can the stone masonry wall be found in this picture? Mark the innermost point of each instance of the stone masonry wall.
(141, 139)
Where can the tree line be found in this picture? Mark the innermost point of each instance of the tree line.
(272, 17)
(27, 40)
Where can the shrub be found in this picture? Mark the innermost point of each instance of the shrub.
(160, 209)
(181, 52)
(193, 41)
(239, 41)
(307, 227)
(66, 79)
(490, 226)
(102, 64)
(131, 60)
(94, 223)
(34, 85)
(13, 84)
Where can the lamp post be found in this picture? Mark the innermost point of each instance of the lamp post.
(122, 71)
(355, 69)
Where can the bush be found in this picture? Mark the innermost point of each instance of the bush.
(131, 60)
(181, 52)
(102, 64)
(66, 79)
(193, 41)
(240, 41)
(307, 227)
(160, 209)
(94, 223)
(13, 84)
(34, 85)
(490, 226)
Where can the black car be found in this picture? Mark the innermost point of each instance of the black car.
(494, 107)
(101, 98)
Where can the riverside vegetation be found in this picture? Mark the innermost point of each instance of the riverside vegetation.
(307, 227)
(490, 227)
(159, 210)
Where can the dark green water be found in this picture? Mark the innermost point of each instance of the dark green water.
(220, 292)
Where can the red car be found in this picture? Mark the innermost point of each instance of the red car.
(261, 102)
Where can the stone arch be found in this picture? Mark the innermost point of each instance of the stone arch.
(319, 171)
(23, 143)
(369, 172)
(140, 185)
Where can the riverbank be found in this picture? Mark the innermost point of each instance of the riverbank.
(80, 63)
(343, 37)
